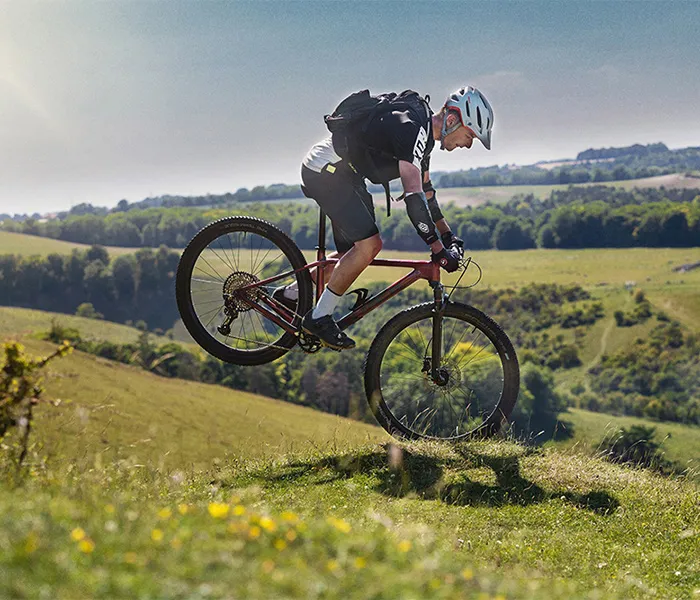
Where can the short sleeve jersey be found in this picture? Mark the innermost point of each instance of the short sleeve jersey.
(394, 136)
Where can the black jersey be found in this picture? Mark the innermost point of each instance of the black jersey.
(391, 137)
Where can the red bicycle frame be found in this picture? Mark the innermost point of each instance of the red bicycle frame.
(420, 269)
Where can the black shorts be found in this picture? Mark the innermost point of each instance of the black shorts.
(343, 196)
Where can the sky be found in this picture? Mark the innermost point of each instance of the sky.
(105, 100)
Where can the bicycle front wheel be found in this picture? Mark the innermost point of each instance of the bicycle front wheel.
(226, 255)
(479, 371)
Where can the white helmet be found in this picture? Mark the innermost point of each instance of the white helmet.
(474, 111)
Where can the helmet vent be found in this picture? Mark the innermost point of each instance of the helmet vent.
(466, 106)
(478, 116)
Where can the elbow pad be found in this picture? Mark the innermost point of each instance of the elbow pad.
(418, 212)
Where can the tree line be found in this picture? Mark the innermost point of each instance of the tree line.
(131, 287)
(598, 166)
(578, 217)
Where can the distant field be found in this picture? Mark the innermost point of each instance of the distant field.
(474, 196)
(18, 322)
(681, 443)
(27, 245)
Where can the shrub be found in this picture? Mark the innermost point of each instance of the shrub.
(21, 391)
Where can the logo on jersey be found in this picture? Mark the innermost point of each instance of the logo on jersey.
(423, 227)
(419, 147)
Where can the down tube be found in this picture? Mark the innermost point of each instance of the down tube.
(354, 316)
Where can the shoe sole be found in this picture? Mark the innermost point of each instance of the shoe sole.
(328, 344)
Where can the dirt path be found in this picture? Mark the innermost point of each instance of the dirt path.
(603, 344)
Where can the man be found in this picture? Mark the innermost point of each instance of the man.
(393, 144)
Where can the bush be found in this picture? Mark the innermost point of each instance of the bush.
(634, 446)
(87, 310)
(21, 391)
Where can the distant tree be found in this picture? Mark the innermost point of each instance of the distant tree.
(87, 310)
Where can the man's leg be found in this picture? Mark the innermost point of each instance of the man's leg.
(347, 270)
(353, 263)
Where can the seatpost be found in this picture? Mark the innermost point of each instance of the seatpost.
(321, 253)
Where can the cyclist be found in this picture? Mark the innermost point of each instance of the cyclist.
(393, 144)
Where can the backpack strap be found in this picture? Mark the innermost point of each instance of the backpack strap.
(388, 198)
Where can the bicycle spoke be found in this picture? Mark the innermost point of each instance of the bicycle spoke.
(470, 385)
(252, 256)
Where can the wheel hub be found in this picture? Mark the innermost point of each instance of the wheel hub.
(449, 376)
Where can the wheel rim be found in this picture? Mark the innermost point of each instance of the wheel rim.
(470, 386)
(228, 262)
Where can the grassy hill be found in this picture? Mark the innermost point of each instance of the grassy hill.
(681, 443)
(118, 411)
(27, 245)
(159, 487)
(483, 520)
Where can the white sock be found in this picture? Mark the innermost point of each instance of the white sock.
(326, 304)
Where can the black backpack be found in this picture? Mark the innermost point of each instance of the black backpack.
(353, 115)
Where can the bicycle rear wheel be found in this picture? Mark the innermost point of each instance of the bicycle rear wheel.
(479, 366)
(226, 255)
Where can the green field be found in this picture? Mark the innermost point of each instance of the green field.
(115, 411)
(17, 322)
(474, 196)
(27, 245)
(681, 443)
(146, 487)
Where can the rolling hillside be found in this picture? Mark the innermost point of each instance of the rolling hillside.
(27, 245)
(118, 411)
(474, 196)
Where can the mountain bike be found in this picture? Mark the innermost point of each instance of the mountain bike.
(439, 370)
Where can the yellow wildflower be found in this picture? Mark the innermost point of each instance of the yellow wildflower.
(238, 510)
(360, 562)
(109, 509)
(165, 513)
(157, 535)
(332, 565)
(280, 545)
(290, 517)
(340, 524)
(254, 532)
(291, 535)
(267, 524)
(468, 574)
(404, 546)
(32, 543)
(268, 566)
(86, 545)
(77, 534)
(218, 510)
(182, 509)
(434, 583)
(176, 543)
